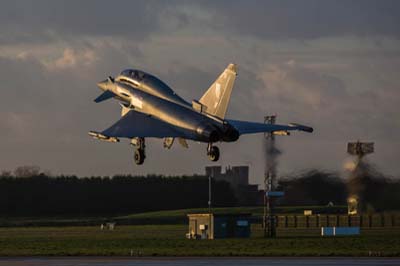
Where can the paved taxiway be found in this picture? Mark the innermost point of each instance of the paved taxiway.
(116, 261)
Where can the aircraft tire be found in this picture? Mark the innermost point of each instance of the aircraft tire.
(214, 154)
(139, 156)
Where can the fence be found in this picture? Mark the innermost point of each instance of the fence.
(316, 221)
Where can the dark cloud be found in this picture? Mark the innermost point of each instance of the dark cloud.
(308, 19)
(44, 20)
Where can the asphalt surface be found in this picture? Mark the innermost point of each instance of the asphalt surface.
(117, 261)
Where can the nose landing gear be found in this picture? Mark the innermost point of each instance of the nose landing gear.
(212, 152)
(139, 155)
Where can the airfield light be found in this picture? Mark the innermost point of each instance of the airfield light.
(359, 149)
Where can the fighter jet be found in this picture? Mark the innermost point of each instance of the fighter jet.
(151, 109)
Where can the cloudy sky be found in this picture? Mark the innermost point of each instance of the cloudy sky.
(333, 65)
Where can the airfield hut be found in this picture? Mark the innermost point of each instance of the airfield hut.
(214, 226)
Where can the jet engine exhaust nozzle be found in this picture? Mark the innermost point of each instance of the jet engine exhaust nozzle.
(214, 136)
(230, 134)
(209, 133)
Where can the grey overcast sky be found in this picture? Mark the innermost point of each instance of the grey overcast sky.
(330, 64)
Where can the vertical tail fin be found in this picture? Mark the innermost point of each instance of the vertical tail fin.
(216, 98)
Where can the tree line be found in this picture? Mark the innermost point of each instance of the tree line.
(70, 195)
(31, 192)
(376, 192)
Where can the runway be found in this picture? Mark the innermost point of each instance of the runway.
(242, 261)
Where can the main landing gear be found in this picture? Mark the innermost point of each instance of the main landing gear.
(139, 155)
(212, 152)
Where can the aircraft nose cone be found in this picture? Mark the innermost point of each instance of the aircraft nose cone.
(103, 85)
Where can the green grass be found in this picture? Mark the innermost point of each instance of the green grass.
(255, 211)
(64, 236)
(158, 217)
(169, 240)
(180, 216)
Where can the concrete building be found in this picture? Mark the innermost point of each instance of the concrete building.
(238, 178)
(213, 226)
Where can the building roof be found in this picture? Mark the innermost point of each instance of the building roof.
(219, 214)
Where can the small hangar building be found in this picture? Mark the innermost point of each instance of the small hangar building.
(214, 226)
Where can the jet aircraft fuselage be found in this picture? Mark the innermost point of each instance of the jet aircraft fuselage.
(150, 108)
(151, 96)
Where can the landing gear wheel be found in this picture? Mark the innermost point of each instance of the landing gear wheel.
(213, 153)
(139, 156)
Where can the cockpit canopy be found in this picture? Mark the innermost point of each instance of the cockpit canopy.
(133, 74)
(151, 84)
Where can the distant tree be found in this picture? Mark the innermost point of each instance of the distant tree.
(70, 195)
(314, 187)
(5, 173)
(27, 171)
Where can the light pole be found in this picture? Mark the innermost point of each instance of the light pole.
(271, 153)
(209, 191)
(209, 201)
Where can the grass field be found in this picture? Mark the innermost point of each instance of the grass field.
(163, 234)
(255, 211)
(158, 217)
(169, 240)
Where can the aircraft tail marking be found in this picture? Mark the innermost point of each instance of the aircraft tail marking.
(216, 98)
